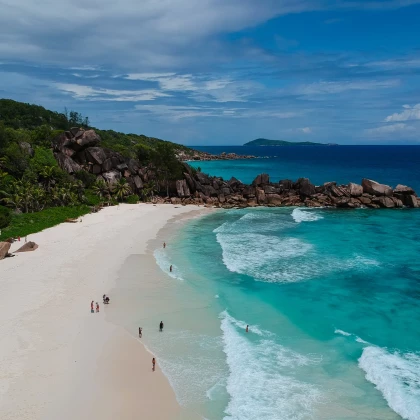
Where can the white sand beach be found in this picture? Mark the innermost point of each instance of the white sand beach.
(57, 359)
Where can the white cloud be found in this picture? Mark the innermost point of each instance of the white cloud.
(147, 76)
(85, 68)
(179, 112)
(325, 88)
(99, 94)
(409, 113)
(396, 63)
(201, 87)
(306, 130)
(85, 76)
(391, 129)
(149, 35)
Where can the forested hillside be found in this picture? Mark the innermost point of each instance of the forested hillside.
(31, 179)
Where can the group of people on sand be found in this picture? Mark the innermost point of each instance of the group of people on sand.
(92, 309)
(95, 305)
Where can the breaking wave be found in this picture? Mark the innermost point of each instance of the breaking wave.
(300, 215)
(261, 382)
(162, 260)
(397, 376)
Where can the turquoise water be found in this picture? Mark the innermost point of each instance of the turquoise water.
(332, 299)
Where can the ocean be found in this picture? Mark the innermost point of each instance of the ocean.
(331, 297)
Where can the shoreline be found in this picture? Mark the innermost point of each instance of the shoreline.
(57, 359)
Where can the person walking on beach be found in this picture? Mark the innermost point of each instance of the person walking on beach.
(161, 326)
(164, 245)
(247, 328)
(153, 364)
(91, 307)
(140, 331)
(170, 268)
(97, 307)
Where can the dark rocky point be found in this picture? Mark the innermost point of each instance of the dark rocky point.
(78, 149)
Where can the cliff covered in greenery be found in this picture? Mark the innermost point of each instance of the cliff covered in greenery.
(34, 171)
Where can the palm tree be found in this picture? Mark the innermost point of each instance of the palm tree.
(77, 188)
(48, 173)
(54, 196)
(148, 190)
(100, 188)
(13, 199)
(24, 190)
(3, 162)
(38, 199)
(121, 189)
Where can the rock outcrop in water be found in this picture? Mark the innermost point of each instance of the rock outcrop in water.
(208, 156)
(215, 191)
(78, 149)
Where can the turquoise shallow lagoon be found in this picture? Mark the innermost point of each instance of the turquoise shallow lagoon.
(332, 299)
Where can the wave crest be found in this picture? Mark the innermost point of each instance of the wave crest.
(397, 376)
(162, 260)
(261, 382)
(300, 215)
(262, 257)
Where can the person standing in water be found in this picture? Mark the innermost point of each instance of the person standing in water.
(164, 244)
(170, 268)
(161, 326)
(140, 332)
(153, 364)
(247, 328)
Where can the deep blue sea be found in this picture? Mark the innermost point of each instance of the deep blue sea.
(343, 164)
(331, 297)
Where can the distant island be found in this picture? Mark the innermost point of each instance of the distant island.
(266, 142)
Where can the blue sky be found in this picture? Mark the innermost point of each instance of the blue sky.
(221, 71)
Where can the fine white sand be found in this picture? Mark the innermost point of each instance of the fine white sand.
(57, 359)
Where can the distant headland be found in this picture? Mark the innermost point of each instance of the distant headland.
(266, 142)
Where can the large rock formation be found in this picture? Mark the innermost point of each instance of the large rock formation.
(4, 249)
(374, 188)
(78, 149)
(29, 246)
(182, 189)
(355, 190)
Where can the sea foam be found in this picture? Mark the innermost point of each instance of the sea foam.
(162, 260)
(300, 215)
(341, 332)
(397, 376)
(261, 381)
(255, 222)
(263, 257)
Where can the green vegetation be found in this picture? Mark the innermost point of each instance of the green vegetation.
(26, 224)
(136, 146)
(266, 142)
(35, 193)
(21, 116)
(5, 217)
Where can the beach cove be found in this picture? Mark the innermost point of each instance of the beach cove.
(331, 323)
(58, 360)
